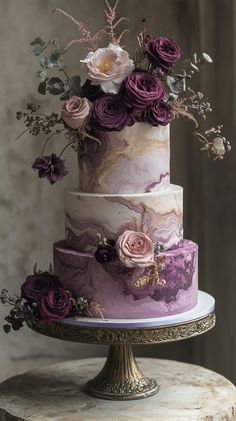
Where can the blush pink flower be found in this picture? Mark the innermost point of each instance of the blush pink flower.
(135, 249)
(108, 67)
(76, 112)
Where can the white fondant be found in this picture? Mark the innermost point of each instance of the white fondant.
(157, 214)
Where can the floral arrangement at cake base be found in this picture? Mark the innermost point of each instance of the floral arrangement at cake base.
(43, 299)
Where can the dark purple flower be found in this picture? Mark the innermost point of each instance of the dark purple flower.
(163, 53)
(15, 322)
(106, 253)
(51, 167)
(159, 113)
(90, 91)
(38, 285)
(109, 113)
(57, 304)
(141, 89)
(7, 328)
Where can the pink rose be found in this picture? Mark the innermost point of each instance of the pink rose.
(135, 249)
(76, 112)
(108, 67)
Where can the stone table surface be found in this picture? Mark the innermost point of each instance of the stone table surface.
(55, 393)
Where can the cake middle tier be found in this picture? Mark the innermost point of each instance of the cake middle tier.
(157, 214)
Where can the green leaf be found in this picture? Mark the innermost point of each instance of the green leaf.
(55, 86)
(75, 82)
(67, 95)
(42, 75)
(38, 50)
(38, 41)
(54, 57)
(46, 63)
(42, 87)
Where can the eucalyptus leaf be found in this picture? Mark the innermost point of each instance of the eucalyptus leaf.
(55, 86)
(75, 82)
(66, 95)
(46, 62)
(195, 59)
(38, 50)
(42, 75)
(194, 67)
(42, 87)
(38, 41)
(207, 57)
(54, 57)
(176, 85)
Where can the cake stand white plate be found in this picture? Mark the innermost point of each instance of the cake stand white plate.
(205, 306)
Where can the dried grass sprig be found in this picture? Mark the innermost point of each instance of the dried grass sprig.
(112, 23)
(86, 36)
(180, 109)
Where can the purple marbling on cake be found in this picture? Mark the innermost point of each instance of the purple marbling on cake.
(112, 285)
(134, 160)
(125, 188)
(158, 214)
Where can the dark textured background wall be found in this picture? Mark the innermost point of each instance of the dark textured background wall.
(31, 211)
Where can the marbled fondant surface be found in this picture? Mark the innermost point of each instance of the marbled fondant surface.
(157, 214)
(112, 285)
(134, 160)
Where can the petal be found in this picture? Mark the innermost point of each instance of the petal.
(109, 87)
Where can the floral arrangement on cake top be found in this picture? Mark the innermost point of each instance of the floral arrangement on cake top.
(151, 85)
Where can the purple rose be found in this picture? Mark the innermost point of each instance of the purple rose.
(106, 253)
(92, 92)
(142, 89)
(109, 113)
(57, 304)
(38, 285)
(163, 53)
(51, 167)
(159, 113)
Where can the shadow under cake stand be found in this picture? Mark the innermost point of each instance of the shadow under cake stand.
(121, 378)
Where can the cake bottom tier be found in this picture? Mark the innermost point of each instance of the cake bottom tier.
(114, 287)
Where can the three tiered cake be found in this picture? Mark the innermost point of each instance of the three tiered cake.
(125, 191)
(124, 255)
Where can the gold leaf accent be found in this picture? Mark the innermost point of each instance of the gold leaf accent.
(152, 277)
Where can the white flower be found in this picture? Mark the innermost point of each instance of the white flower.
(108, 67)
(218, 147)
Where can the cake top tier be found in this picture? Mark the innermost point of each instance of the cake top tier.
(125, 105)
(133, 160)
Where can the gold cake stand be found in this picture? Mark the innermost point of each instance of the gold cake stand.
(121, 378)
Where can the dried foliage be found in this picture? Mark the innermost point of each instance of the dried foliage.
(113, 22)
(90, 40)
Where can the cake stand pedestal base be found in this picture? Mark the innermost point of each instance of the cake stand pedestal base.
(121, 378)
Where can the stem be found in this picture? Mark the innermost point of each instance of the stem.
(63, 150)
(21, 134)
(66, 75)
(47, 140)
(202, 138)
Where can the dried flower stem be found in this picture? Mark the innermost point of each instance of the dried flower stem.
(63, 150)
(86, 36)
(47, 140)
(110, 14)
